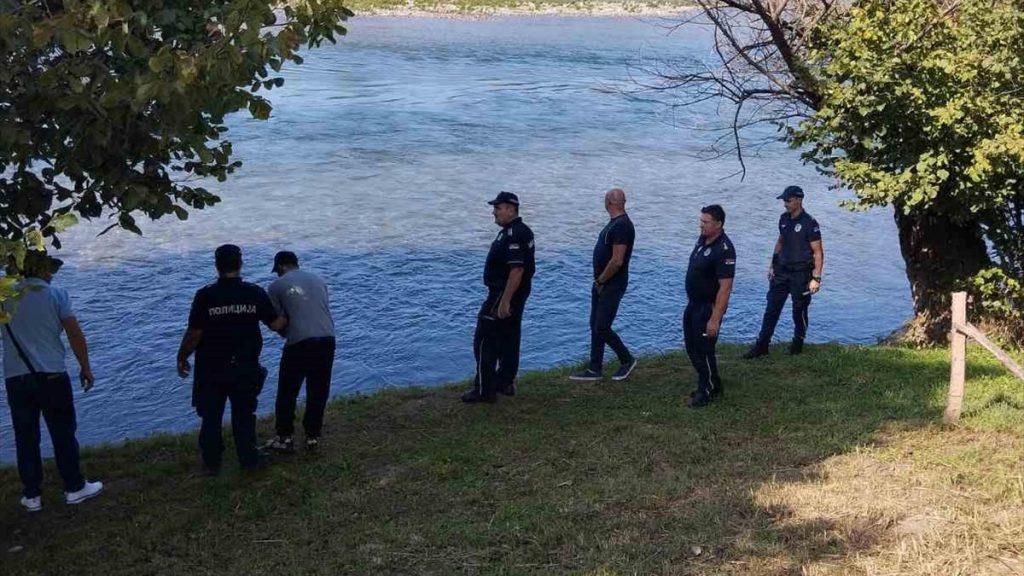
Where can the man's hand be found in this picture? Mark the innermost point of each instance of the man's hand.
(814, 286)
(771, 272)
(598, 287)
(504, 310)
(184, 368)
(87, 379)
(711, 330)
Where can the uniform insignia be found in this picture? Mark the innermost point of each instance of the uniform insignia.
(513, 246)
(797, 227)
(730, 262)
(707, 251)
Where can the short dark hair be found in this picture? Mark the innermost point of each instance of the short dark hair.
(715, 211)
(228, 258)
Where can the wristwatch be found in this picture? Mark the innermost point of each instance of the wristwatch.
(816, 279)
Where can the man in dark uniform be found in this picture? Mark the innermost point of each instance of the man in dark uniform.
(612, 253)
(795, 272)
(508, 274)
(709, 278)
(224, 331)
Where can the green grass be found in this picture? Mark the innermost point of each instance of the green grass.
(828, 463)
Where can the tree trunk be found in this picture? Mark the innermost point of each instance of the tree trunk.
(941, 256)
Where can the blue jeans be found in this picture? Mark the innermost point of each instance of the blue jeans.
(48, 395)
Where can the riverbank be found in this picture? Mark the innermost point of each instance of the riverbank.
(490, 8)
(833, 462)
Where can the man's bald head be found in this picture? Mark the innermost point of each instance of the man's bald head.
(616, 197)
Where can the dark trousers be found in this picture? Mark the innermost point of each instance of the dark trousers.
(787, 283)
(48, 395)
(496, 343)
(240, 385)
(700, 348)
(604, 305)
(311, 360)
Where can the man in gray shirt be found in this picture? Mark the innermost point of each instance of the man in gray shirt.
(308, 352)
(38, 384)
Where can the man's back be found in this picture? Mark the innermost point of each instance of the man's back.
(37, 325)
(302, 297)
(229, 313)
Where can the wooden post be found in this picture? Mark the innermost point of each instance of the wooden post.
(958, 360)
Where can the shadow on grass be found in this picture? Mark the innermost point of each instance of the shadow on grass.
(601, 478)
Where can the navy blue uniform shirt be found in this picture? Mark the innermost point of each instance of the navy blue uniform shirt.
(512, 248)
(709, 263)
(229, 313)
(797, 235)
(619, 230)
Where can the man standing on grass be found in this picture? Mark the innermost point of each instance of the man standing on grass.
(38, 384)
(308, 354)
(612, 253)
(709, 278)
(508, 275)
(794, 272)
(224, 332)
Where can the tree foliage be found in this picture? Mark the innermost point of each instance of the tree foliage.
(117, 109)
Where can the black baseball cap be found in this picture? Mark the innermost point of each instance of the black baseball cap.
(38, 262)
(791, 192)
(505, 198)
(284, 258)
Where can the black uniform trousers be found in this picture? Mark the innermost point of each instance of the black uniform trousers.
(239, 383)
(788, 282)
(604, 305)
(496, 342)
(311, 360)
(699, 347)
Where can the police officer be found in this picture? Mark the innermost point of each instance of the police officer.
(612, 253)
(795, 272)
(508, 274)
(224, 332)
(709, 278)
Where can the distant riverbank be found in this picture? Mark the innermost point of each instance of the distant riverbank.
(488, 8)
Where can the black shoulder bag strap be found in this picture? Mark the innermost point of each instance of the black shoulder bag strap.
(21, 351)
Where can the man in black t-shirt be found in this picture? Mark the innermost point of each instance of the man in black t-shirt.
(795, 272)
(709, 278)
(612, 253)
(508, 275)
(224, 332)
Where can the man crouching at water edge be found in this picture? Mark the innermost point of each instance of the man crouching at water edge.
(709, 278)
(308, 354)
(508, 275)
(224, 332)
(37, 381)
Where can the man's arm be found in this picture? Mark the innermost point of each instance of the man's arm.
(775, 254)
(614, 265)
(76, 338)
(278, 324)
(721, 305)
(189, 342)
(818, 253)
(515, 278)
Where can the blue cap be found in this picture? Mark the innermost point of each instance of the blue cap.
(505, 198)
(791, 192)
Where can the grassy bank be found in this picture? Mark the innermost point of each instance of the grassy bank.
(507, 7)
(828, 463)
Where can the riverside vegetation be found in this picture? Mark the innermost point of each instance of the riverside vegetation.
(833, 462)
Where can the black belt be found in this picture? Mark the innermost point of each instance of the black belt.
(41, 375)
(797, 266)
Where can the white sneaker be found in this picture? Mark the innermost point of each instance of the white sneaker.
(88, 491)
(32, 504)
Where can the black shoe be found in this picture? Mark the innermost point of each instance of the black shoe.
(210, 471)
(312, 444)
(282, 444)
(698, 400)
(262, 462)
(587, 375)
(716, 389)
(756, 351)
(625, 370)
(796, 347)
(474, 397)
(508, 389)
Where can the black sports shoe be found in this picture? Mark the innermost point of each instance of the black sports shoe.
(587, 375)
(796, 347)
(625, 370)
(698, 400)
(282, 444)
(210, 471)
(262, 461)
(508, 389)
(474, 397)
(716, 389)
(756, 351)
